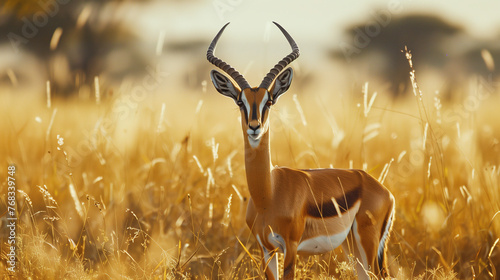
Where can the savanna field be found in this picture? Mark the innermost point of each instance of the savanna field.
(126, 185)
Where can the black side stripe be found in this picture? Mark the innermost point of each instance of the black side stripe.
(326, 209)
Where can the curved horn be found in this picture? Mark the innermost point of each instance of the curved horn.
(268, 79)
(240, 80)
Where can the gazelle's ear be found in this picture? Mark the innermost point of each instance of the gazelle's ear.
(281, 84)
(224, 85)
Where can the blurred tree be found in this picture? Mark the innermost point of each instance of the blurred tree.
(74, 39)
(190, 51)
(378, 44)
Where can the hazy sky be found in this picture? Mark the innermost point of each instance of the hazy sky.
(253, 44)
(316, 25)
(309, 19)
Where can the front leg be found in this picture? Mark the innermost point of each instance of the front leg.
(270, 264)
(290, 258)
(269, 261)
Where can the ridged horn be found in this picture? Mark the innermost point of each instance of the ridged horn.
(240, 80)
(268, 79)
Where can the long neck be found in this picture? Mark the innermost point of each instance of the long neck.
(258, 170)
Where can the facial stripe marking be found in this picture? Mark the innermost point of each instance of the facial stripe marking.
(253, 102)
(262, 106)
(247, 106)
(254, 111)
(263, 103)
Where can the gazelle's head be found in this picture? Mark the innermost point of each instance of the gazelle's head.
(254, 102)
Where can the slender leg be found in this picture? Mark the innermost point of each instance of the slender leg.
(350, 247)
(269, 261)
(290, 257)
(370, 239)
(353, 245)
(270, 264)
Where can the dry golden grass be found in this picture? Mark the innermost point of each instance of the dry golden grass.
(133, 191)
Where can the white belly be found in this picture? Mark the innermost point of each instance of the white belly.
(323, 243)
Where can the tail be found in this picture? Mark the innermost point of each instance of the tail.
(386, 228)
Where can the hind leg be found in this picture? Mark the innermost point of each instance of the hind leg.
(362, 243)
(352, 248)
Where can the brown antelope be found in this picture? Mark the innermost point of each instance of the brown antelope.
(295, 211)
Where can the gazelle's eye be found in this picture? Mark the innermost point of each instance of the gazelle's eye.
(239, 103)
(269, 103)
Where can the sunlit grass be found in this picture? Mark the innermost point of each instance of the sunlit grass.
(155, 189)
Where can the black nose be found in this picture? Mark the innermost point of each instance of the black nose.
(254, 127)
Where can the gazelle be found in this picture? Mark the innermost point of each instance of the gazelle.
(296, 211)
